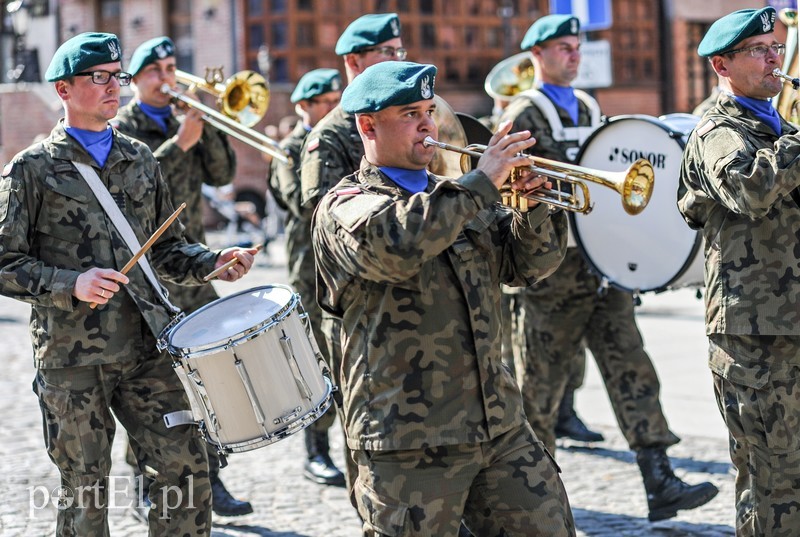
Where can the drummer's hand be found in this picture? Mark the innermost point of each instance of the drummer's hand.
(501, 155)
(243, 255)
(98, 285)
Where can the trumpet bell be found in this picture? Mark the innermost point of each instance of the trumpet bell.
(510, 77)
(246, 98)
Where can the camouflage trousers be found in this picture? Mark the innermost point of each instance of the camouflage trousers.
(506, 487)
(757, 384)
(314, 313)
(77, 405)
(550, 322)
(332, 338)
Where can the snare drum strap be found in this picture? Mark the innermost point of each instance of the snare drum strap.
(123, 226)
(560, 132)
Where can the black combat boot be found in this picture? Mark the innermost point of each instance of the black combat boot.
(666, 493)
(569, 425)
(319, 467)
(223, 504)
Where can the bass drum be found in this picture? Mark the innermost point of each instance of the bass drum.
(655, 250)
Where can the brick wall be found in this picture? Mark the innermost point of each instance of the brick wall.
(25, 112)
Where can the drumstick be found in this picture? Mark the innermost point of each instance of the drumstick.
(226, 266)
(143, 250)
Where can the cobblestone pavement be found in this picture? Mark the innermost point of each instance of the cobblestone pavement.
(603, 481)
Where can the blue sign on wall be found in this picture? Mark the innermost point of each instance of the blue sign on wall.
(593, 14)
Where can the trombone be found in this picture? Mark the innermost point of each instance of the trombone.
(244, 98)
(635, 184)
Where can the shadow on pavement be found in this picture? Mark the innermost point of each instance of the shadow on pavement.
(223, 530)
(601, 524)
(683, 463)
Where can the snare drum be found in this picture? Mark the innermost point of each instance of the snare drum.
(251, 368)
(655, 250)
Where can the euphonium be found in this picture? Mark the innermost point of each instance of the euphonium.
(570, 191)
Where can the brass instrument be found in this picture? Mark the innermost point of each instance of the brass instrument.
(795, 82)
(511, 76)
(635, 184)
(243, 99)
(787, 102)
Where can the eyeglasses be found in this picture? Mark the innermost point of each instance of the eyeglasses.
(760, 51)
(399, 53)
(102, 78)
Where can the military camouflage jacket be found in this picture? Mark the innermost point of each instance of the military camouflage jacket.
(285, 187)
(210, 161)
(332, 150)
(52, 228)
(527, 116)
(738, 179)
(416, 282)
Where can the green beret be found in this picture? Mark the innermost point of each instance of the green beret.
(734, 27)
(550, 27)
(315, 83)
(81, 52)
(368, 31)
(388, 84)
(148, 52)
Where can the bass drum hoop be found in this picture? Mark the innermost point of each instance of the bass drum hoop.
(661, 122)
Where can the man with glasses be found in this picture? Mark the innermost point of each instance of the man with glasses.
(66, 205)
(190, 154)
(740, 186)
(552, 318)
(317, 93)
(333, 149)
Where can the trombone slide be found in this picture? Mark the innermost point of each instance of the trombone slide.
(232, 128)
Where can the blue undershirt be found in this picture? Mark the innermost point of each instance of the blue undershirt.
(97, 144)
(763, 110)
(159, 114)
(412, 180)
(563, 97)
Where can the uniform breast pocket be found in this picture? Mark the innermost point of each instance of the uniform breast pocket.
(64, 222)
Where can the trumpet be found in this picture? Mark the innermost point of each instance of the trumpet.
(243, 99)
(795, 82)
(571, 191)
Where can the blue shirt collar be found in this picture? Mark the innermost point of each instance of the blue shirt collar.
(97, 144)
(159, 114)
(563, 97)
(763, 110)
(412, 180)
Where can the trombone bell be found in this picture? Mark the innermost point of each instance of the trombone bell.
(570, 192)
(243, 99)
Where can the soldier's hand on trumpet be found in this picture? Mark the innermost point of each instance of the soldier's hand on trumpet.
(504, 153)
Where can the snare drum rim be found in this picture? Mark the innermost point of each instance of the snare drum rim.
(582, 247)
(242, 337)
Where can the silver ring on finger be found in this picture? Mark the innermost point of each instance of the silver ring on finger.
(103, 293)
